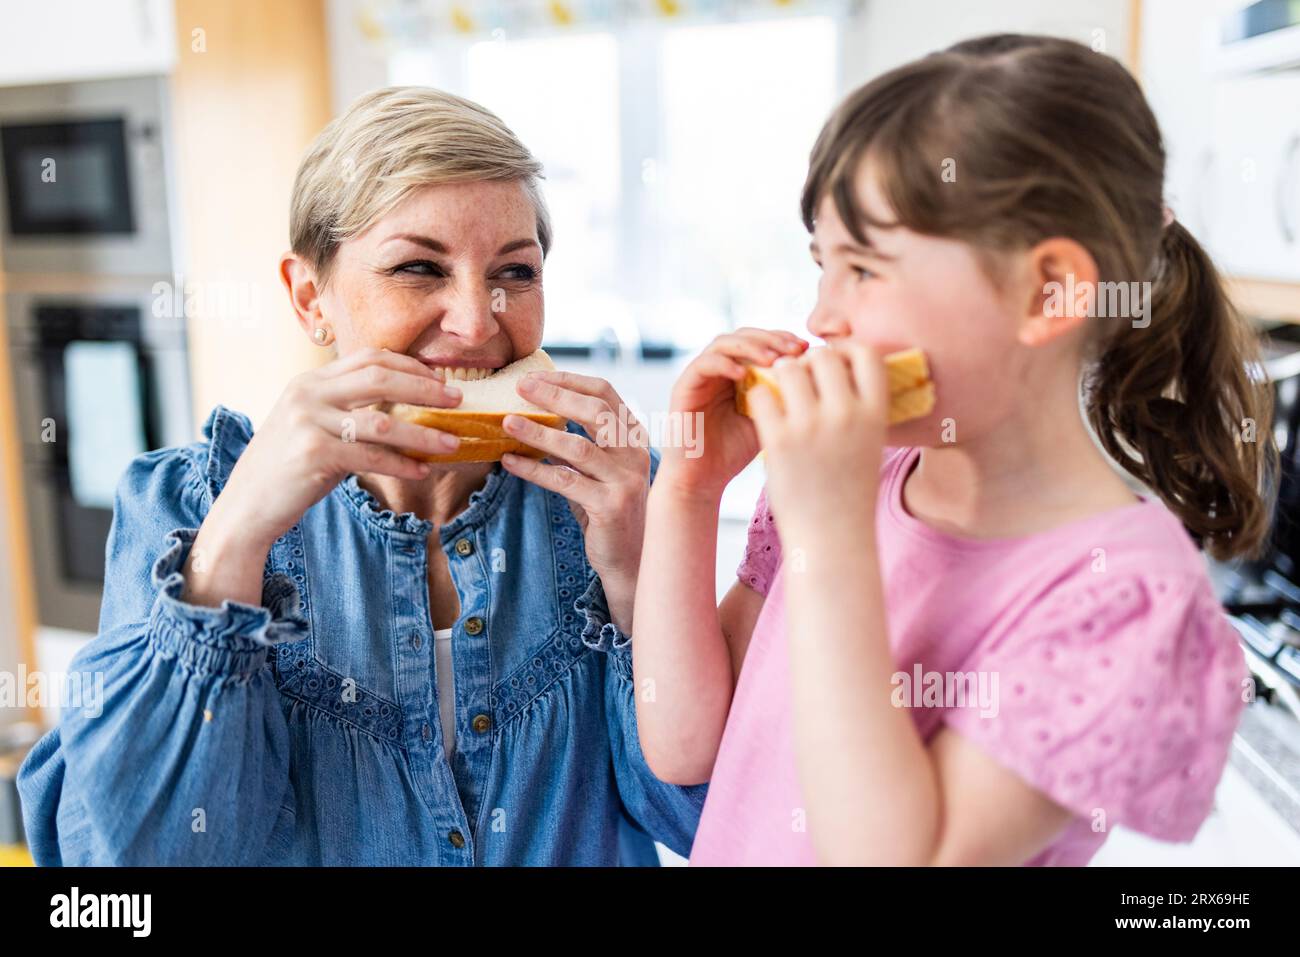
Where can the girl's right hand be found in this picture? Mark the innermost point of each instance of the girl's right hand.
(707, 386)
(319, 431)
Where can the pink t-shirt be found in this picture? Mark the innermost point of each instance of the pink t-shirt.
(1119, 680)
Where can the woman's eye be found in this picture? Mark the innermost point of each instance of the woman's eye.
(419, 267)
(520, 271)
(862, 273)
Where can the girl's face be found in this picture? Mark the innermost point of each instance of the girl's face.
(452, 276)
(905, 289)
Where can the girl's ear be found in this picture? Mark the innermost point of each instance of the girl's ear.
(300, 281)
(1062, 290)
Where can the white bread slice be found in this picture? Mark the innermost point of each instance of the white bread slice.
(911, 393)
(477, 420)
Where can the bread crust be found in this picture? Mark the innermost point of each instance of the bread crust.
(911, 393)
(482, 437)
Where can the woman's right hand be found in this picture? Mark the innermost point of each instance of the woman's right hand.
(318, 432)
(728, 440)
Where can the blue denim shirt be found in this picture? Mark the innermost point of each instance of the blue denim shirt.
(307, 731)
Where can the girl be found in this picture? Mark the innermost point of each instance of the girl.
(965, 640)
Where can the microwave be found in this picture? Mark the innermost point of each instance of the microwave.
(86, 182)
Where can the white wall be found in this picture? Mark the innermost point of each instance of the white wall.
(889, 33)
(356, 64)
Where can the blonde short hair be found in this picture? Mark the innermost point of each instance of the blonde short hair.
(389, 142)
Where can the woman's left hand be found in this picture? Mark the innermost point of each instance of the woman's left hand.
(823, 442)
(605, 481)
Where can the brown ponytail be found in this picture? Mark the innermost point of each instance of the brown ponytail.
(1058, 140)
(1180, 409)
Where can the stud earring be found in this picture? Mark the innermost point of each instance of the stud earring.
(322, 336)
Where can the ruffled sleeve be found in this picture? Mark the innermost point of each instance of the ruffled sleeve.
(599, 633)
(762, 549)
(668, 813)
(1116, 697)
(176, 751)
(231, 639)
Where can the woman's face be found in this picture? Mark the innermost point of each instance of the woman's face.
(451, 276)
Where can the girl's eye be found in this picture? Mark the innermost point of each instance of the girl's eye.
(419, 267)
(520, 271)
(862, 273)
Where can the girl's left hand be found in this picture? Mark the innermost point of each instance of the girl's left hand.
(824, 441)
(605, 482)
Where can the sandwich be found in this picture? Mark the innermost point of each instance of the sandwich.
(911, 393)
(486, 402)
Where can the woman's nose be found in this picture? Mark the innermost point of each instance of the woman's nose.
(472, 315)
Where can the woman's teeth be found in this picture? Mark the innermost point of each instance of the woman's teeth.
(455, 372)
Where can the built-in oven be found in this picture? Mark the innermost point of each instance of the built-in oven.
(97, 354)
(86, 178)
(99, 379)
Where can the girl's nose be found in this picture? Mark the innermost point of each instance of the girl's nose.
(827, 322)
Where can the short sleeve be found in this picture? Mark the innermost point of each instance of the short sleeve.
(1117, 698)
(762, 549)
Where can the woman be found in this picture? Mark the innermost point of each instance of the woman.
(273, 693)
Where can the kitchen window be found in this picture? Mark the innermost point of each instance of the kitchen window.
(674, 159)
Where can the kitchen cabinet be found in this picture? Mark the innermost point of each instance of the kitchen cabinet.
(1256, 184)
(57, 41)
(1232, 142)
(261, 84)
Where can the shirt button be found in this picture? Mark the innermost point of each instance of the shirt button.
(456, 838)
(464, 547)
(416, 642)
(473, 626)
(427, 732)
(481, 723)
